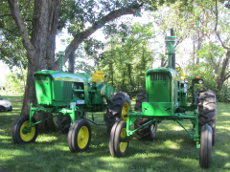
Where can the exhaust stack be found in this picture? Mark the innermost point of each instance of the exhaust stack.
(170, 44)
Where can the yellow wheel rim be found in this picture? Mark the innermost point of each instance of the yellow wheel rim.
(27, 133)
(83, 137)
(123, 145)
(124, 111)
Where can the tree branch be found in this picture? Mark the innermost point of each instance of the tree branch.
(227, 76)
(13, 4)
(216, 25)
(79, 38)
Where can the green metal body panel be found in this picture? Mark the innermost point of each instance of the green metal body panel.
(166, 98)
(54, 88)
(69, 94)
(157, 108)
(161, 89)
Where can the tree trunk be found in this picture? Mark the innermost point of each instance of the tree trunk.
(224, 74)
(199, 41)
(41, 47)
(129, 67)
(29, 95)
(111, 71)
(40, 44)
(71, 63)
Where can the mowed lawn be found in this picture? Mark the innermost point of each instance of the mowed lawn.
(172, 150)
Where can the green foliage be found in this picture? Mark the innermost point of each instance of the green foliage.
(92, 48)
(13, 53)
(211, 58)
(15, 82)
(224, 94)
(78, 15)
(128, 57)
(208, 55)
(205, 72)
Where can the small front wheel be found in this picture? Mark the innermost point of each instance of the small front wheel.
(22, 131)
(118, 142)
(79, 136)
(206, 146)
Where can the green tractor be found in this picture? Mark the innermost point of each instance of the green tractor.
(68, 97)
(167, 98)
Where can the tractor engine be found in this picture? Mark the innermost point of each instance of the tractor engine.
(62, 89)
(161, 89)
(165, 88)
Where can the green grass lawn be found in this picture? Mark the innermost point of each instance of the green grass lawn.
(172, 150)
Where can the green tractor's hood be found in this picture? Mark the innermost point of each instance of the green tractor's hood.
(172, 72)
(65, 76)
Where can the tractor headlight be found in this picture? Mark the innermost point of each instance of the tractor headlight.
(200, 81)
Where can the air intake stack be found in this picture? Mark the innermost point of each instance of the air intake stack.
(170, 44)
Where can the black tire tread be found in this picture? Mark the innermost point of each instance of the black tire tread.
(114, 143)
(114, 109)
(205, 146)
(72, 135)
(145, 132)
(207, 110)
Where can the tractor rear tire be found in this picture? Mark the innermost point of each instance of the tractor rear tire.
(117, 108)
(205, 146)
(62, 122)
(148, 132)
(207, 111)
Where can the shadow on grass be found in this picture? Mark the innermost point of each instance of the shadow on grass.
(170, 151)
(158, 155)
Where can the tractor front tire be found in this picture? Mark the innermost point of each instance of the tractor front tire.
(205, 146)
(79, 136)
(22, 132)
(118, 108)
(207, 111)
(118, 142)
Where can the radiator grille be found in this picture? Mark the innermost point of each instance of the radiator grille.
(159, 76)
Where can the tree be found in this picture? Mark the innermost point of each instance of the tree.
(38, 25)
(128, 56)
(38, 22)
(207, 26)
(39, 40)
(222, 26)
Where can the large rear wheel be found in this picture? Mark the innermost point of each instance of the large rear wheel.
(207, 111)
(147, 132)
(62, 122)
(118, 108)
(205, 146)
(118, 142)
